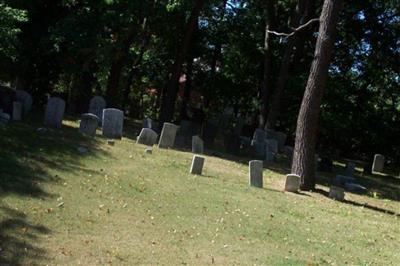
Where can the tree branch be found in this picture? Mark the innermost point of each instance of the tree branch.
(296, 30)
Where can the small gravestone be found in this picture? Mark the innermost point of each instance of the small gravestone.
(148, 150)
(89, 124)
(336, 193)
(17, 111)
(197, 145)
(350, 167)
(292, 183)
(113, 123)
(378, 164)
(197, 165)
(168, 135)
(54, 112)
(147, 137)
(96, 106)
(26, 99)
(256, 174)
(111, 142)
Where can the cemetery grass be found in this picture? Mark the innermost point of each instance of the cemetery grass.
(118, 205)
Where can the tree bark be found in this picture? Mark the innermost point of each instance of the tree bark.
(292, 43)
(266, 78)
(187, 89)
(304, 151)
(171, 89)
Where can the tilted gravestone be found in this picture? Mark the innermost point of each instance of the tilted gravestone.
(336, 193)
(54, 112)
(378, 164)
(96, 106)
(197, 165)
(26, 99)
(147, 137)
(197, 145)
(168, 134)
(292, 183)
(256, 174)
(113, 123)
(17, 111)
(89, 124)
(350, 167)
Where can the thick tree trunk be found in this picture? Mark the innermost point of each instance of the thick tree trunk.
(304, 151)
(187, 89)
(171, 89)
(292, 43)
(266, 78)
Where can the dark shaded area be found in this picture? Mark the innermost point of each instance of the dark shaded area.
(27, 157)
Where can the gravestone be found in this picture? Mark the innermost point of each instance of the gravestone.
(26, 99)
(4, 118)
(148, 123)
(271, 149)
(113, 123)
(197, 145)
(350, 167)
(256, 173)
(168, 134)
(96, 106)
(17, 111)
(89, 124)
(378, 164)
(280, 137)
(147, 137)
(148, 150)
(336, 193)
(292, 183)
(187, 130)
(197, 165)
(54, 112)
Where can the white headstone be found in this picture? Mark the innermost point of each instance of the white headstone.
(54, 112)
(88, 125)
(168, 134)
(379, 163)
(147, 137)
(197, 165)
(197, 145)
(292, 183)
(113, 123)
(96, 106)
(256, 174)
(17, 111)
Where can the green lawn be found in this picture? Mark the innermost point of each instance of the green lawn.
(118, 205)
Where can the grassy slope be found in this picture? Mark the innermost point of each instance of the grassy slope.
(117, 205)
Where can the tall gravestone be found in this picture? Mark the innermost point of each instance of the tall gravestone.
(168, 134)
(88, 125)
(17, 111)
(113, 123)
(96, 106)
(256, 174)
(26, 99)
(147, 137)
(54, 112)
(197, 165)
(197, 145)
(379, 163)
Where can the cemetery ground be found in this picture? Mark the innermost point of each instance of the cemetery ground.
(118, 205)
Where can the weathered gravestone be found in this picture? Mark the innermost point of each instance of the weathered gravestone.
(148, 150)
(256, 173)
(17, 111)
(378, 164)
(26, 99)
(292, 183)
(96, 106)
(197, 145)
(271, 149)
(350, 167)
(113, 123)
(147, 137)
(168, 134)
(54, 112)
(336, 193)
(197, 165)
(89, 124)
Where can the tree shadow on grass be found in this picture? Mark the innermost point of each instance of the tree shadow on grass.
(28, 159)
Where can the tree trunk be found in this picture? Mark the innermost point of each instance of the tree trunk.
(187, 89)
(171, 89)
(266, 78)
(304, 151)
(293, 42)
